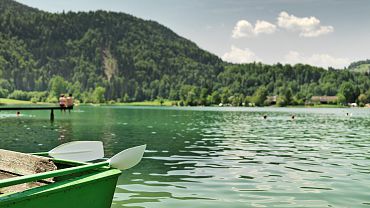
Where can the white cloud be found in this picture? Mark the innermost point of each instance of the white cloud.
(264, 27)
(320, 31)
(245, 29)
(306, 26)
(322, 60)
(237, 55)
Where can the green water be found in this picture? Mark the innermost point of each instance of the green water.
(218, 157)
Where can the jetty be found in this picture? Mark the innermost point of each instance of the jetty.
(51, 108)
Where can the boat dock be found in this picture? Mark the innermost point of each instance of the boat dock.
(51, 108)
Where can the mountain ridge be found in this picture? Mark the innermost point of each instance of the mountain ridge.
(104, 55)
(58, 39)
(360, 66)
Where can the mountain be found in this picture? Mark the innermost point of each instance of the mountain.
(102, 56)
(113, 50)
(360, 66)
(10, 5)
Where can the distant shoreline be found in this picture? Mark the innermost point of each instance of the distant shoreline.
(5, 101)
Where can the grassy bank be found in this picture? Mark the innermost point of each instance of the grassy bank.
(317, 106)
(328, 106)
(147, 103)
(169, 103)
(6, 101)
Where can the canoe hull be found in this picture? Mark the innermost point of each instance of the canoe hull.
(93, 190)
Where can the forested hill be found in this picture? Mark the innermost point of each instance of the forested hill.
(360, 66)
(119, 52)
(103, 55)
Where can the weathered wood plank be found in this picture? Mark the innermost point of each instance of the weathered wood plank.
(24, 164)
(13, 164)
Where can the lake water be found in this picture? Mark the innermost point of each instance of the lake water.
(218, 157)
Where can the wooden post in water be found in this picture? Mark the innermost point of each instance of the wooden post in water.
(52, 115)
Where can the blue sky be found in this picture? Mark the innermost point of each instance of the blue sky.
(318, 32)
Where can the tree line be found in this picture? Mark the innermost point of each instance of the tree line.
(107, 56)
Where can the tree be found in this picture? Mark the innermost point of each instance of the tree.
(341, 99)
(248, 100)
(349, 91)
(126, 98)
(191, 97)
(363, 99)
(5, 87)
(237, 100)
(57, 86)
(288, 96)
(98, 95)
(281, 101)
(260, 95)
(161, 100)
(214, 98)
(225, 95)
(3, 93)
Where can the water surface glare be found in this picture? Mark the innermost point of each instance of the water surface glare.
(218, 157)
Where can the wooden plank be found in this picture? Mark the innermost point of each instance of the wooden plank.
(20, 108)
(14, 164)
(24, 164)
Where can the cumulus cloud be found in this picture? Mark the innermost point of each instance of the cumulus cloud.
(264, 27)
(243, 28)
(237, 55)
(322, 60)
(306, 26)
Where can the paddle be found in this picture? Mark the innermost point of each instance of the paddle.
(122, 161)
(80, 151)
(127, 158)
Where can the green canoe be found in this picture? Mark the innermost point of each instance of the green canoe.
(76, 185)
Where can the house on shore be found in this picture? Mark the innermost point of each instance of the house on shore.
(271, 99)
(324, 99)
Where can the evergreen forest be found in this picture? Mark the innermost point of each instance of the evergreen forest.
(105, 56)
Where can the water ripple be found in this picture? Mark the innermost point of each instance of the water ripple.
(221, 157)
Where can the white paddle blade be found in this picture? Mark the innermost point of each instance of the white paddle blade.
(81, 151)
(128, 158)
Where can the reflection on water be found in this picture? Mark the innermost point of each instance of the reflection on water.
(218, 157)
